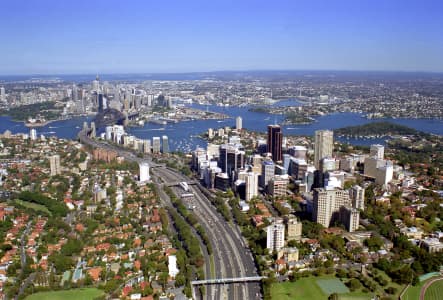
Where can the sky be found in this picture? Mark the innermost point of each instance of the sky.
(116, 36)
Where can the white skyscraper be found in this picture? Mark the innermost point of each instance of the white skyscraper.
(251, 183)
(156, 145)
(2, 94)
(324, 144)
(54, 163)
(239, 123)
(33, 134)
(275, 236)
(144, 172)
(378, 151)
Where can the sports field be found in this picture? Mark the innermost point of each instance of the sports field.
(435, 291)
(310, 288)
(84, 294)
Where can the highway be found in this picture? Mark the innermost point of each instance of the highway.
(232, 258)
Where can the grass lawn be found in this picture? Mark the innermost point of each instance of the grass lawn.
(304, 288)
(308, 289)
(34, 206)
(434, 292)
(84, 294)
(413, 292)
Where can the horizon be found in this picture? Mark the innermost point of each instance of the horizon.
(301, 71)
(111, 37)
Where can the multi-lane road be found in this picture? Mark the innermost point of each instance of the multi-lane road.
(231, 256)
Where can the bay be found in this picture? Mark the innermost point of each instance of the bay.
(183, 136)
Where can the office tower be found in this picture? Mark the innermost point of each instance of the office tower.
(96, 84)
(350, 217)
(298, 151)
(74, 95)
(294, 229)
(54, 163)
(33, 134)
(232, 158)
(327, 203)
(147, 146)
(101, 100)
(144, 172)
(277, 186)
(239, 123)
(251, 183)
(380, 169)
(298, 168)
(275, 138)
(377, 151)
(93, 133)
(156, 144)
(275, 236)
(2, 94)
(165, 144)
(324, 144)
(267, 172)
(357, 195)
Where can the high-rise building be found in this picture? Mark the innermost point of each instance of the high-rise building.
(33, 134)
(156, 144)
(350, 217)
(232, 158)
(74, 94)
(165, 144)
(93, 133)
(251, 185)
(327, 203)
(2, 94)
(147, 146)
(96, 84)
(294, 229)
(101, 101)
(324, 144)
(144, 172)
(357, 194)
(267, 173)
(54, 164)
(274, 145)
(275, 236)
(377, 151)
(239, 123)
(277, 186)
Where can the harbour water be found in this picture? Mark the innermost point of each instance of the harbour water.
(184, 135)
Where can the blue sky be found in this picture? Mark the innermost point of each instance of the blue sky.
(109, 36)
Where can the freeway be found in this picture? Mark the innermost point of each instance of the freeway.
(231, 256)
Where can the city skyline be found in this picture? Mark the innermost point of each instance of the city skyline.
(137, 37)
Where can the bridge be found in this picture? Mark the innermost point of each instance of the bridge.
(175, 183)
(227, 280)
(109, 116)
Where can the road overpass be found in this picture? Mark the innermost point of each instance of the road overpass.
(227, 280)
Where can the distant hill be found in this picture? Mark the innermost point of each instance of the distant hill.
(377, 128)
